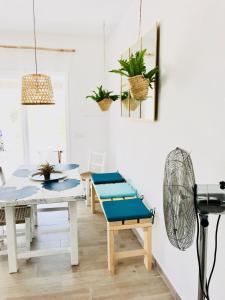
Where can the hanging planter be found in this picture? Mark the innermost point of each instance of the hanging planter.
(105, 104)
(139, 79)
(129, 102)
(103, 97)
(139, 87)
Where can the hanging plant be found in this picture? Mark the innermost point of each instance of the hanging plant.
(129, 102)
(103, 97)
(139, 79)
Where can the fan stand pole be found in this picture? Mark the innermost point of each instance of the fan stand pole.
(203, 254)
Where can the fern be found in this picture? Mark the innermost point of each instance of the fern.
(124, 95)
(101, 94)
(135, 65)
(151, 76)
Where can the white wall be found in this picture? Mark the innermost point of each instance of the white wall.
(84, 70)
(191, 116)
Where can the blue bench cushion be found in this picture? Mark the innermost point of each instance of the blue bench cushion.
(101, 178)
(115, 190)
(120, 210)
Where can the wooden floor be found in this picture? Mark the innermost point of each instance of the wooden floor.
(52, 278)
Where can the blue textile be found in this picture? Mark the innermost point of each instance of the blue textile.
(23, 172)
(12, 193)
(101, 178)
(65, 167)
(115, 190)
(120, 210)
(60, 186)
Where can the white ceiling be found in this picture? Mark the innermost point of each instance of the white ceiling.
(62, 16)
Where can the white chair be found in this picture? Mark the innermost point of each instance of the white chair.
(51, 156)
(96, 164)
(22, 216)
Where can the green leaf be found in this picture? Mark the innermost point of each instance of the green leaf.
(121, 72)
(101, 94)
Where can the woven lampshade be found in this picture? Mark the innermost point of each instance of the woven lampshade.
(37, 89)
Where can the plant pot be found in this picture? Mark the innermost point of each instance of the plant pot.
(105, 104)
(133, 103)
(47, 176)
(138, 87)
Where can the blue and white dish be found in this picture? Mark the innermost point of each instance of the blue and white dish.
(57, 175)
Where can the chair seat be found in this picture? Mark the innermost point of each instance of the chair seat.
(115, 190)
(132, 209)
(103, 178)
(21, 213)
(85, 175)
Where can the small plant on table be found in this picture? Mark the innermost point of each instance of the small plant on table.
(46, 170)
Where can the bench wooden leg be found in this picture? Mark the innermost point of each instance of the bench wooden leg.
(87, 189)
(148, 248)
(111, 252)
(93, 199)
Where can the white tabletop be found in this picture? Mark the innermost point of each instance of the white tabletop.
(21, 190)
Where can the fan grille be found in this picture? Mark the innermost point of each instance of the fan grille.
(178, 199)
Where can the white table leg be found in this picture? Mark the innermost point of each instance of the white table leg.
(87, 189)
(34, 216)
(11, 238)
(28, 233)
(73, 232)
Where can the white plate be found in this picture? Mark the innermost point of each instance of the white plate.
(57, 175)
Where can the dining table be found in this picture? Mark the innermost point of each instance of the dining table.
(22, 189)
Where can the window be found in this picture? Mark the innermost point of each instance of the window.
(30, 131)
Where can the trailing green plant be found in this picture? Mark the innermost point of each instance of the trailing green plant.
(135, 65)
(46, 170)
(124, 95)
(101, 94)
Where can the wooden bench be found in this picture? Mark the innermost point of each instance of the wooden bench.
(103, 178)
(123, 215)
(109, 192)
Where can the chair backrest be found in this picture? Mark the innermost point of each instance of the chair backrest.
(51, 156)
(2, 176)
(96, 162)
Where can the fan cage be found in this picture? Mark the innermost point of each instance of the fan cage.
(178, 199)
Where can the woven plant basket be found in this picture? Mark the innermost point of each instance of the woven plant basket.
(105, 104)
(133, 103)
(138, 87)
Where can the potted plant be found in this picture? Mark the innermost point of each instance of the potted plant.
(46, 170)
(139, 79)
(128, 101)
(103, 97)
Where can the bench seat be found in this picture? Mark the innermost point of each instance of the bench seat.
(115, 190)
(104, 178)
(126, 210)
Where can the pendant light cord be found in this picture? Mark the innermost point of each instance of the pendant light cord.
(140, 19)
(104, 50)
(35, 39)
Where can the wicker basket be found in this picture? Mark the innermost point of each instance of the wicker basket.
(105, 104)
(133, 103)
(138, 87)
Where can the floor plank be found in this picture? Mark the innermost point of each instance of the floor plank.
(52, 278)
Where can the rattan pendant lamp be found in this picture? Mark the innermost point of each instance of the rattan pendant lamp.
(36, 88)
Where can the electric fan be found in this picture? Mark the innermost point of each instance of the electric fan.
(185, 203)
